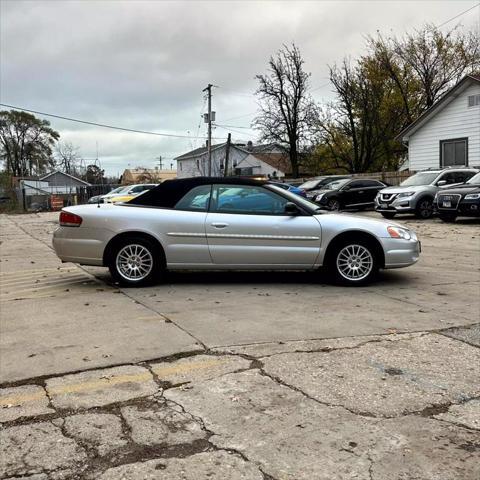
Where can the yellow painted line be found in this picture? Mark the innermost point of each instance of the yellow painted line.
(189, 367)
(108, 382)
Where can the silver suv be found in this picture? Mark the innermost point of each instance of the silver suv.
(416, 193)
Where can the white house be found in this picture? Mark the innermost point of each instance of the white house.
(448, 133)
(244, 159)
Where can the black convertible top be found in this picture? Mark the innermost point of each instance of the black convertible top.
(169, 192)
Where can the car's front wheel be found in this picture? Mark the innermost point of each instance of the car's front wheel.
(136, 262)
(354, 262)
(424, 208)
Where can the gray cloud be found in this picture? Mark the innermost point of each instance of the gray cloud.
(143, 64)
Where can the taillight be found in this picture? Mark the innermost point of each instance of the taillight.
(68, 219)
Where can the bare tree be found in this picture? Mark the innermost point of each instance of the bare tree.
(67, 157)
(288, 114)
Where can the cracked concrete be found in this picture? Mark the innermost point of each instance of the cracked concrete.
(211, 465)
(403, 376)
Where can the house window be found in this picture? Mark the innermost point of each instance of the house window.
(454, 152)
(473, 100)
(181, 165)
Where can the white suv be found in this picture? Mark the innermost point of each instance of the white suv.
(416, 193)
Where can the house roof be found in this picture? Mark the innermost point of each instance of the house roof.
(66, 174)
(439, 105)
(240, 146)
(279, 161)
(136, 174)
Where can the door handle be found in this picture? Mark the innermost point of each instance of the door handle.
(219, 225)
(361, 191)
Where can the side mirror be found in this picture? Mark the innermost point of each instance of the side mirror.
(441, 183)
(291, 209)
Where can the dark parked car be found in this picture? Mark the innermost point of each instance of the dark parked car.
(315, 185)
(459, 201)
(349, 193)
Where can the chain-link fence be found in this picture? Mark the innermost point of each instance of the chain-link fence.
(38, 198)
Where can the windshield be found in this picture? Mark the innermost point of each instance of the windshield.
(475, 179)
(336, 184)
(424, 178)
(310, 184)
(117, 190)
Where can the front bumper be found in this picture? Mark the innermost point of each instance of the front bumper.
(401, 253)
(395, 205)
(465, 208)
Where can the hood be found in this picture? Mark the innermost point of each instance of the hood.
(462, 189)
(399, 189)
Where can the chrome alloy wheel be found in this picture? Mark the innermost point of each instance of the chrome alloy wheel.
(354, 262)
(134, 262)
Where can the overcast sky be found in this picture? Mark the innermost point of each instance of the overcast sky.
(143, 64)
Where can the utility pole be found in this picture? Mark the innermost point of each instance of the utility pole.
(208, 89)
(160, 161)
(227, 154)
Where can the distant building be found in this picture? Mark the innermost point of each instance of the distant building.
(61, 179)
(448, 133)
(244, 159)
(146, 175)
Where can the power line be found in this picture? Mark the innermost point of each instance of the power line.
(240, 116)
(86, 122)
(232, 126)
(459, 15)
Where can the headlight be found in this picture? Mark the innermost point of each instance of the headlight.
(319, 197)
(472, 196)
(405, 194)
(398, 232)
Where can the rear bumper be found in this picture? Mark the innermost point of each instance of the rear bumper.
(80, 245)
(400, 253)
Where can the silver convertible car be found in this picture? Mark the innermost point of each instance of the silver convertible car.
(228, 224)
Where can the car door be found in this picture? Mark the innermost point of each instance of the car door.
(183, 229)
(247, 226)
(354, 194)
(371, 188)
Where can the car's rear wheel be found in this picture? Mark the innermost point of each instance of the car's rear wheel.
(387, 214)
(136, 262)
(333, 204)
(354, 262)
(447, 217)
(424, 208)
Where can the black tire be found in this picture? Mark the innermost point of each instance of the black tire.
(388, 214)
(449, 218)
(337, 255)
(154, 262)
(334, 205)
(424, 209)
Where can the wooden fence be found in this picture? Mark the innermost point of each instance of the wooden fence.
(392, 178)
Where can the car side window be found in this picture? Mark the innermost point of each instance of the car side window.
(448, 177)
(137, 189)
(196, 200)
(247, 200)
(356, 184)
(372, 183)
(461, 177)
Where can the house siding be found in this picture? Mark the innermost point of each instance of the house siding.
(259, 167)
(188, 167)
(456, 120)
